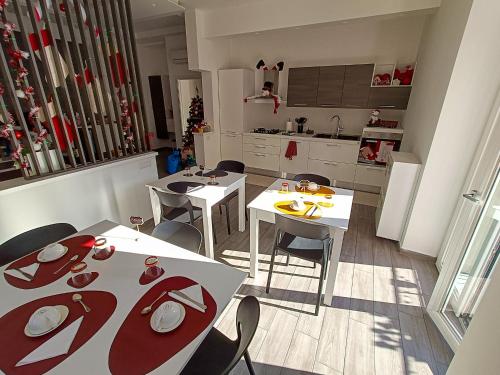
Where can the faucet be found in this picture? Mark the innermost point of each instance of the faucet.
(339, 124)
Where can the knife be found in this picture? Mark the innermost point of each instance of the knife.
(25, 274)
(182, 295)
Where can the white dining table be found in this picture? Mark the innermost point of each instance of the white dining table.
(120, 275)
(205, 198)
(336, 218)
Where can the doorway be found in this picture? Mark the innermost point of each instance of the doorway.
(471, 249)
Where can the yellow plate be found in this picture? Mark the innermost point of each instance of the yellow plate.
(284, 207)
(322, 191)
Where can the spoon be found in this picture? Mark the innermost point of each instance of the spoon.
(73, 258)
(78, 298)
(148, 309)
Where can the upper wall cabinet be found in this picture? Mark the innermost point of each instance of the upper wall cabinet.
(357, 82)
(302, 87)
(389, 97)
(331, 83)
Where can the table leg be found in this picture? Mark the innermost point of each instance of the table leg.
(241, 207)
(338, 237)
(254, 243)
(207, 231)
(155, 206)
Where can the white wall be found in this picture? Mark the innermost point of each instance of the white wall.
(367, 41)
(478, 352)
(113, 191)
(458, 125)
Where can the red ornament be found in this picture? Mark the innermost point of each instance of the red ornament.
(3, 5)
(62, 8)
(2, 89)
(18, 134)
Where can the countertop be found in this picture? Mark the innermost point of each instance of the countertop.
(301, 136)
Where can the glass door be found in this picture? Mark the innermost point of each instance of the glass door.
(471, 247)
(476, 266)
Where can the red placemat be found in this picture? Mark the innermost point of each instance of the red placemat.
(80, 245)
(16, 345)
(137, 349)
(93, 276)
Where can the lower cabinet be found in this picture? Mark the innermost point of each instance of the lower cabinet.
(298, 164)
(231, 146)
(334, 171)
(261, 160)
(368, 175)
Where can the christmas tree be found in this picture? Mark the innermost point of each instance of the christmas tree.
(195, 118)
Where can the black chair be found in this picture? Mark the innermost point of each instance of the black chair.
(217, 354)
(303, 240)
(32, 240)
(320, 180)
(183, 235)
(178, 207)
(235, 167)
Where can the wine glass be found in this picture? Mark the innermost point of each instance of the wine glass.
(188, 171)
(78, 278)
(153, 268)
(202, 168)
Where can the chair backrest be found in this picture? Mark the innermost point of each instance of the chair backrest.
(32, 240)
(231, 166)
(247, 319)
(320, 180)
(301, 229)
(172, 200)
(180, 234)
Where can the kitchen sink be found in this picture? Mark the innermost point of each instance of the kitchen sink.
(347, 137)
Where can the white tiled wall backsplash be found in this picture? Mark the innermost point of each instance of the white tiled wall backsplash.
(354, 120)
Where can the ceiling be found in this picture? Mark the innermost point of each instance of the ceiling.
(214, 4)
(151, 9)
(159, 22)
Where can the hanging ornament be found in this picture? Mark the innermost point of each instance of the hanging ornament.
(8, 29)
(51, 52)
(3, 5)
(56, 122)
(33, 114)
(18, 134)
(2, 89)
(41, 136)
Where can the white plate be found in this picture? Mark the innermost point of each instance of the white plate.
(63, 310)
(174, 314)
(50, 253)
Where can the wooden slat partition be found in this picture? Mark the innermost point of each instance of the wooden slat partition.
(37, 80)
(89, 34)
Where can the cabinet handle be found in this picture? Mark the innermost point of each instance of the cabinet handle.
(376, 169)
(299, 104)
(387, 106)
(260, 155)
(327, 105)
(259, 146)
(330, 163)
(333, 145)
(351, 105)
(260, 139)
(230, 135)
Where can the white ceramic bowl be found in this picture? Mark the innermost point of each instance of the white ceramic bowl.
(52, 252)
(297, 205)
(313, 186)
(44, 319)
(167, 317)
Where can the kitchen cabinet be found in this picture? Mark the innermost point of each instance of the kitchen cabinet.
(298, 164)
(370, 175)
(396, 194)
(336, 151)
(234, 86)
(330, 86)
(261, 160)
(389, 97)
(335, 171)
(302, 87)
(357, 82)
(231, 146)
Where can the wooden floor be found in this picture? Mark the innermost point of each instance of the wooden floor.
(377, 324)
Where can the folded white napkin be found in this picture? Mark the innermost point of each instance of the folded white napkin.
(194, 292)
(55, 346)
(30, 270)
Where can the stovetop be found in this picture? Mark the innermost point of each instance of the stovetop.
(266, 131)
